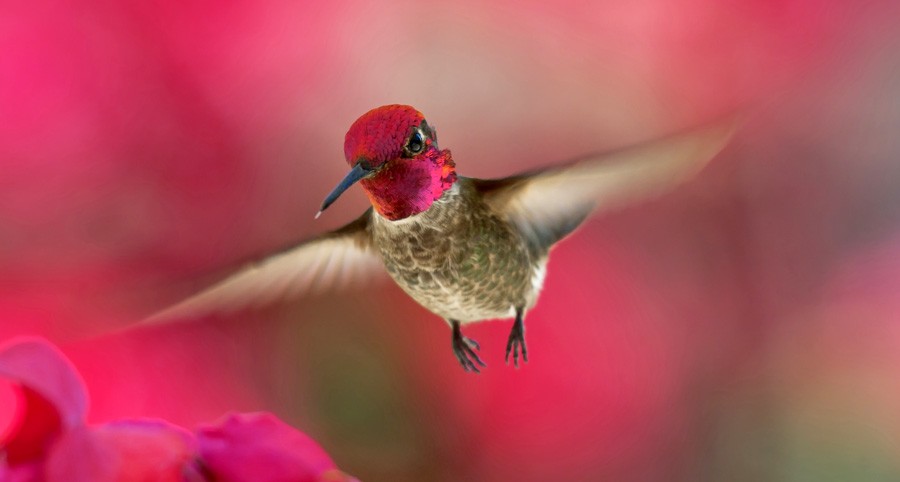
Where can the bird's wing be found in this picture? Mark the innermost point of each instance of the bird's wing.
(546, 205)
(336, 259)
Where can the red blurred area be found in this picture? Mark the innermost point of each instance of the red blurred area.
(714, 333)
(34, 422)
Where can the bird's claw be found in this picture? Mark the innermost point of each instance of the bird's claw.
(463, 349)
(516, 342)
(467, 357)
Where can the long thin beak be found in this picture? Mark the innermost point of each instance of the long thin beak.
(358, 172)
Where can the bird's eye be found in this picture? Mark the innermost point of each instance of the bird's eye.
(415, 144)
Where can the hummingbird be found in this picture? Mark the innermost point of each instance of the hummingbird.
(466, 249)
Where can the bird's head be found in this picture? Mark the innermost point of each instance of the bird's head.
(393, 154)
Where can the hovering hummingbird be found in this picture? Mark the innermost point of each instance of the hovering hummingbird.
(466, 249)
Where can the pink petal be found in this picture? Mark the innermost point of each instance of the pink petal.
(36, 424)
(36, 364)
(261, 448)
(125, 451)
(52, 398)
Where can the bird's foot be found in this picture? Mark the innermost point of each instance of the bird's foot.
(516, 341)
(464, 349)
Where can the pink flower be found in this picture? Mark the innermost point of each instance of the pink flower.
(258, 446)
(49, 439)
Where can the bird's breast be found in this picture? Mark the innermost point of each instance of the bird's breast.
(458, 259)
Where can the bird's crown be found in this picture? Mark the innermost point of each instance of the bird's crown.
(386, 133)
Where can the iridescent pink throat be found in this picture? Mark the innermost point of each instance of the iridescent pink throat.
(405, 187)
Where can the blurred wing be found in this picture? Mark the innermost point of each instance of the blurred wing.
(547, 205)
(336, 259)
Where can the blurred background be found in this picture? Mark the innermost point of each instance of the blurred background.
(743, 327)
